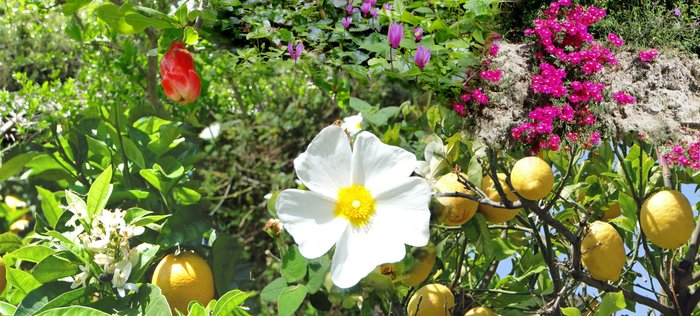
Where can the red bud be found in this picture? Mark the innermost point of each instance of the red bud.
(180, 81)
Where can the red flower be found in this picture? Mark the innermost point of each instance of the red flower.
(180, 81)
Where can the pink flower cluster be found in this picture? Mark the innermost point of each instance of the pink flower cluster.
(649, 55)
(493, 75)
(487, 75)
(569, 56)
(615, 39)
(623, 98)
(686, 157)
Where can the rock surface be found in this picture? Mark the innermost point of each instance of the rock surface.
(667, 93)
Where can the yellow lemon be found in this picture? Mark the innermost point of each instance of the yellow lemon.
(532, 178)
(19, 226)
(667, 219)
(602, 252)
(612, 212)
(3, 277)
(454, 211)
(184, 278)
(493, 214)
(480, 311)
(431, 300)
(424, 260)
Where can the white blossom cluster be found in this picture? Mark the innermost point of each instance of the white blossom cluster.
(106, 239)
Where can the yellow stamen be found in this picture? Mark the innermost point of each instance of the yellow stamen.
(355, 204)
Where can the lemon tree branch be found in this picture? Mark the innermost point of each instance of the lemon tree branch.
(665, 310)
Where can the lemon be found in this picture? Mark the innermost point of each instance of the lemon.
(431, 300)
(424, 260)
(3, 277)
(667, 219)
(602, 252)
(493, 214)
(612, 212)
(454, 211)
(480, 311)
(532, 178)
(184, 278)
(19, 226)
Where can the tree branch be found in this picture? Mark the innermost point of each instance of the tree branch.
(152, 71)
(629, 295)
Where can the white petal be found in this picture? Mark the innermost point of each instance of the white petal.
(406, 207)
(325, 165)
(360, 250)
(377, 165)
(309, 217)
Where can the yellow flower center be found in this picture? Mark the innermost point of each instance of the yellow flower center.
(355, 204)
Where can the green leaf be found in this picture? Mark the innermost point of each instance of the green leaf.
(191, 36)
(49, 206)
(74, 311)
(293, 265)
(186, 196)
(433, 116)
(181, 14)
(611, 303)
(196, 309)
(271, 292)
(34, 253)
(359, 105)
(72, 6)
(381, 117)
(230, 303)
(318, 268)
(99, 192)
(48, 296)
(14, 165)
(474, 173)
(150, 176)
(9, 242)
(7, 308)
(187, 224)
(290, 299)
(570, 311)
(229, 270)
(133, 153)
(21, 280)
(59, 265)
(150, 301)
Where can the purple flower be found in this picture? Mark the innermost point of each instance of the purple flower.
(677, 12)
(395, 35)
(346, 22)
(374, 12)
(365, 8)
(295, 53)
(387, 6)
(371, 2)
(418, 33)
(350, 10)
(422, 56)
(615, 39)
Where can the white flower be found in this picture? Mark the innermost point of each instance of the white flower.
(353, 124)
(435, 162)
(211, 132)
(121, 275)
(80, 278)
(361, 200)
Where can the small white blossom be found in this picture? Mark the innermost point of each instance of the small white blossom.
(353, 124)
